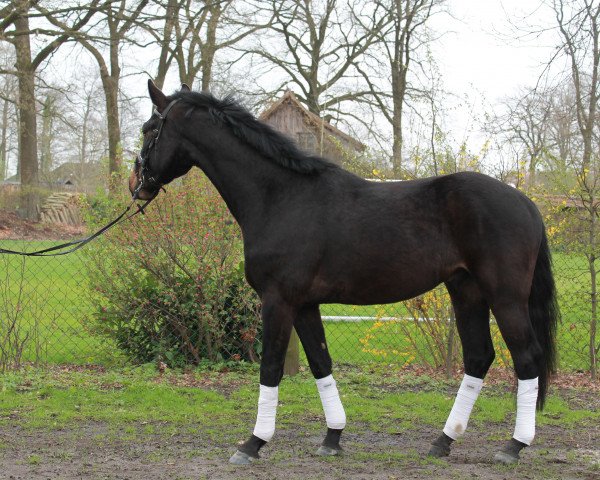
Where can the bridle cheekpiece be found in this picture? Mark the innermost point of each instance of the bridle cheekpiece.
(146, 177)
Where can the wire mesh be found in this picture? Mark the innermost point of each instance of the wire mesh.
(54, 310)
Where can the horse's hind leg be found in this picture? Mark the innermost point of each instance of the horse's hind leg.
(472, 320)
(517, 331)
(309, 327)
(278, 318)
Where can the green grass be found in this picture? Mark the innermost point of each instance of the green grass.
(52, 294)
(57, 311)
(139, 400)
(135, 414)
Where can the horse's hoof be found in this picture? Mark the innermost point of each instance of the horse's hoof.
(325, 451)
(506, 458)
(440, 447)
(509, 455)
(241, 458)
(438, 452)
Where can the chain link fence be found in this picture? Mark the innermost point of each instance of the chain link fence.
(169, 286)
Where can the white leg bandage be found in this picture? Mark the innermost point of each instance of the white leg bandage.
(332, 405)
(527, 394)
(267, 409)
(461, 411)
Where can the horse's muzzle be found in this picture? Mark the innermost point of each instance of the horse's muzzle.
(140, 193)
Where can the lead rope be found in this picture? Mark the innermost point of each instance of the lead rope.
(77, 244)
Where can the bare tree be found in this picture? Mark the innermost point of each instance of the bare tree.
(119, 18)
(578, 24)
(4, 139)
(15, 28)
(317, 45)
(194, 32)
(562, 128)
(48, 114)
(400, 43)
(164, 38)
(525, 124)
(572, 131)
(8, 125)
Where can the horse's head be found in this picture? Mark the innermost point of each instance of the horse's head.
(161, 159)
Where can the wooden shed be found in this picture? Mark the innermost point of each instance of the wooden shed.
(312, 133)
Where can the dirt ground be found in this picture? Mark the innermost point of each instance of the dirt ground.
(14, 228)
(100, 451)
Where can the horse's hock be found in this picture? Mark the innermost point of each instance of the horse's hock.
(61, 207)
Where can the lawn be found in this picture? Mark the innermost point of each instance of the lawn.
(55, 308)
(51, 297)
(139, 423)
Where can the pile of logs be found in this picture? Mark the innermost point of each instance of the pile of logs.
(61, 207)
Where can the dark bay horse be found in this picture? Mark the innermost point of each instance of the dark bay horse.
(315, 233)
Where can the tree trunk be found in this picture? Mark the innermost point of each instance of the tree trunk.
(397, 146)
(3, 142)
(207, 64)
(209, 48)
(48, 112)
(312, 99)
(398, 92)
(450, 345)
(399, 64)
(111, 93)
(593, 293)
(164, 61)
(111, 89)
(292, 356)
(28, 161)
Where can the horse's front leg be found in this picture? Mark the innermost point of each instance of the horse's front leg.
(277, 318)
(309, 327)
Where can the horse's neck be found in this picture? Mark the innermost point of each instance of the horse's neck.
(246, 182)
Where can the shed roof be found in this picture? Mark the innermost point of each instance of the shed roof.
(290, 99)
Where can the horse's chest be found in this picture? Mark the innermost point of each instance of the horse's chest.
(284, 267)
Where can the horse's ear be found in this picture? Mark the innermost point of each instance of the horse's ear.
(185, 88)
(157, 96)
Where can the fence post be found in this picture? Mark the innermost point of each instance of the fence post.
(292, 356)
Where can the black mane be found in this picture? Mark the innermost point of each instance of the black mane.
(263, 138)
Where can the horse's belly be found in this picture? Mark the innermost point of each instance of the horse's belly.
(377, 284)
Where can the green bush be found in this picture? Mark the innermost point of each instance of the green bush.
(170, 285)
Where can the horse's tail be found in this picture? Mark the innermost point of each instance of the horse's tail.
(544, 314)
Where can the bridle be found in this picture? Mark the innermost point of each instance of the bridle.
(146, 177)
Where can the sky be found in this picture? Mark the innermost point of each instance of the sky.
(486, 60)
(482, 54)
